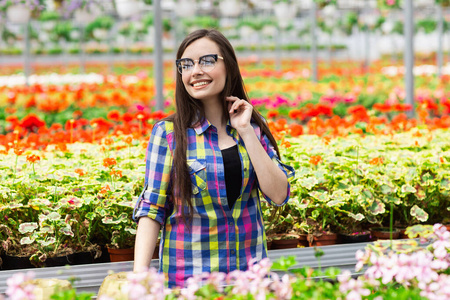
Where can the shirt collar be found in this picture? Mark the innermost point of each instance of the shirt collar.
(201, 126)
(204, 124)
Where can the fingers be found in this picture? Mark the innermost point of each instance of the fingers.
(236, 104)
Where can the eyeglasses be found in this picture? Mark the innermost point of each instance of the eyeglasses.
(205, 62)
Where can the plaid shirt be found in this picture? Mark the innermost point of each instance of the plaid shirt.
(219, 239)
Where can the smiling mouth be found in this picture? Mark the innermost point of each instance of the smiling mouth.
(201, 83)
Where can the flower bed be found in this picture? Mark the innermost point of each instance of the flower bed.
(415, 269)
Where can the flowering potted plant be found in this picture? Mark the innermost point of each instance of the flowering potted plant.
(116, 218)
(388, 4)
(20, 11)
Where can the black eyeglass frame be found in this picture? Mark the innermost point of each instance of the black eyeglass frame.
(178, 61)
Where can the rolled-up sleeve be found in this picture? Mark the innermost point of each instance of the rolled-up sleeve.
(153, 201)
(287, 170)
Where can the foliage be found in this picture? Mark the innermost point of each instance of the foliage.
(427, 25)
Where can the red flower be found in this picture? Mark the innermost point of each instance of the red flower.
(102, 124)
(127, 117)
(31, 122)
(114, 115)
(272, 114)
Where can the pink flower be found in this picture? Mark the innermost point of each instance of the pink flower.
(17, 289)
(390, 2)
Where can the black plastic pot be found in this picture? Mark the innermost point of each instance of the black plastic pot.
(15, 262)
(354, 238)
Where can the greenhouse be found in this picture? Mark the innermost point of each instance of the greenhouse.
(146, 147)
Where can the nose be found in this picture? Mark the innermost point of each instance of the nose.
(197, 69)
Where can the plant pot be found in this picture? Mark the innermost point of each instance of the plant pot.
(354, 238)
(16, 262)
(185, 8)
(104, 257)
(285, 243)
(269, 245)
(303, 240)
(59, 261)
(117, 255)
(230, 8)
(83, 16)
(324, 239)
(83, 258)
(383, 233)
(111, 287)
(18, 13)
(44, 288)
(284, 13)
(127, 8)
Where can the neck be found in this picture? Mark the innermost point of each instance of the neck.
(214, 114)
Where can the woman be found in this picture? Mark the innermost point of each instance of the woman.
(205, 167)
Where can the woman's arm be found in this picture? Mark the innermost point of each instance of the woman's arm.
(153, 204)
(272, 181)
(146, 238)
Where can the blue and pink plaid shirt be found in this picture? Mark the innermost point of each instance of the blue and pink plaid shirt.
(219, 239)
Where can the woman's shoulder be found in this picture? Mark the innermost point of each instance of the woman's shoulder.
(165, 126)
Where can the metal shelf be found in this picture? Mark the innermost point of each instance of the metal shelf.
(90, 276)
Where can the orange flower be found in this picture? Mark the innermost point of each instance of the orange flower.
(286, 144)
(33, 158)
(326, 140)
(108, 141)
(109, 162)
(315, 159)
(296, 129)
(18, 151)
(117, 173)
(80, 172)
(376, 161)
(129, 140)
(105, 189)
(442, 160)
(62, 147)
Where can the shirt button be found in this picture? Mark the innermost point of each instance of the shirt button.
(233, 251)
(230, 223)
(245, 169)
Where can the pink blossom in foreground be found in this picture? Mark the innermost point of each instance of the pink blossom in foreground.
(354, 287)
(18, 289)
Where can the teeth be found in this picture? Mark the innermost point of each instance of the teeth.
(200, 83)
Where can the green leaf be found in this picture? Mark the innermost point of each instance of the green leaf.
(419, 231)
(26, 240)
(377, 207)
(419, 213)
(406, 189)
(386, 189)
(308, 183)
(27, 227)
(357, 217)
(284, 263)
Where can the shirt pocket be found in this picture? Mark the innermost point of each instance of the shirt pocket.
(197, 171)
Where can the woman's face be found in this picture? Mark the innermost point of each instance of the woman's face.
(200, 84)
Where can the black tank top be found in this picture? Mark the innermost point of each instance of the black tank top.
(233, 175)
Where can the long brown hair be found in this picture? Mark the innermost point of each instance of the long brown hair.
(190, 111)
